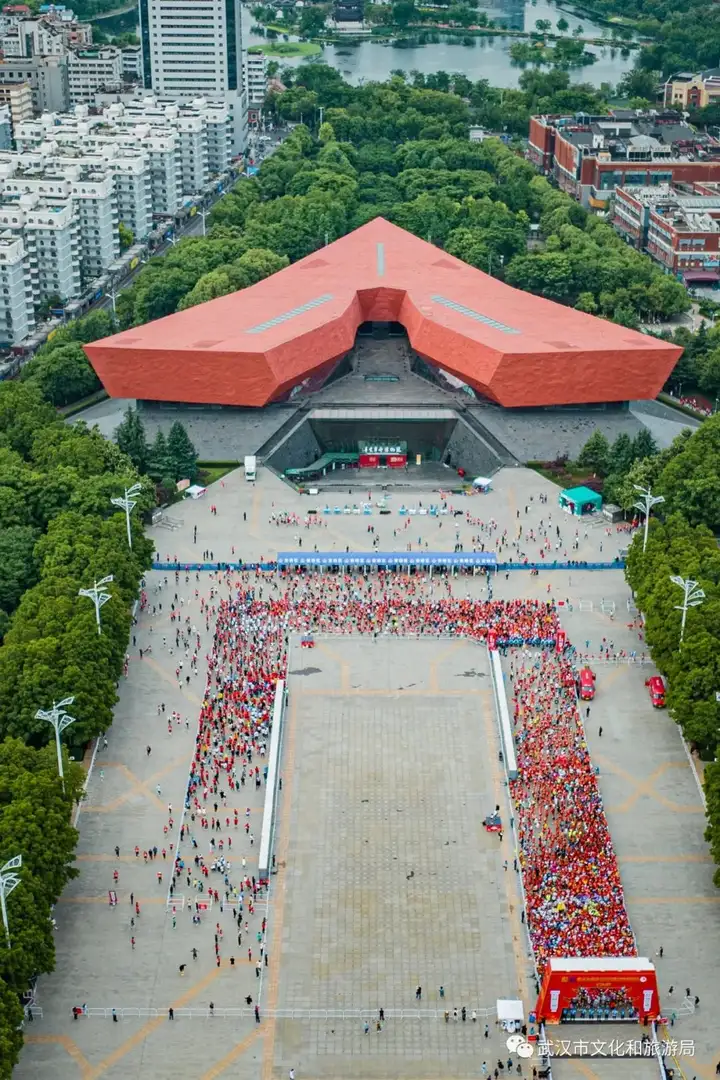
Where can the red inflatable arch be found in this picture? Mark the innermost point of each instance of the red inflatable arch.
(599, 988)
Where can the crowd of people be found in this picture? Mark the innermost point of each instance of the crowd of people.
(574, 897)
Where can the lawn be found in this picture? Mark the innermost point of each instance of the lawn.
(209, 472)
(291, 48)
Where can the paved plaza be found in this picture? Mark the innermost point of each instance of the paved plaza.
(408, 725)
(392, 882)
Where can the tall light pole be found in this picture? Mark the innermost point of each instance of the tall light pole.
(692, 597)
(646, 503)
(98, 596)
(8, 881)
(127, 502)
(59, 720)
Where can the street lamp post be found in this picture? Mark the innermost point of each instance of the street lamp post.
(692, 597)
(646, 503)
(127, 502)
(98, 596)
(8, 881)
(59, 720)
(113, 295)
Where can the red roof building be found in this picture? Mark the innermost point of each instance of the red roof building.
(258, 345)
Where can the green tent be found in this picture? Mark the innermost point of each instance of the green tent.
(580, 500)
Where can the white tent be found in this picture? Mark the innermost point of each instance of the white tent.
(510, 1013)
(483, 482)
(195, 491)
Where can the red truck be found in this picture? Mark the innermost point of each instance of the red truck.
(656, 689)
(586, 684)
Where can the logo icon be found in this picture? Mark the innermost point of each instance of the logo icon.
(516, 1044)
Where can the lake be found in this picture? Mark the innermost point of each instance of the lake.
(483, 58)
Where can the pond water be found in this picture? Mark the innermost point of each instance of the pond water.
(479, 58)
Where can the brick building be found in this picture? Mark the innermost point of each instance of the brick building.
(591, 156)
(679, 228)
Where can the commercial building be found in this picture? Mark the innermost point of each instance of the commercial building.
(194, 49)
(297, 328)
(590, 156)
(91, 70)
(678, 228)
(688, 91)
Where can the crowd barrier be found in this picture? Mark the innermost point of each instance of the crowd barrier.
(271, 785)
(248, 1013)
(507, 739)
(271, 567)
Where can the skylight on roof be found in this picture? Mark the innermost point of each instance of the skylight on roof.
(286, 315)
(476, 315)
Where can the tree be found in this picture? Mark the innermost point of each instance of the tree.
(595, 454)
(621, 454)
(644, 445)
(11, 1039)
(712, 795)
(18, 570)
(586, 302)
(637, 83)
(326, 133)
(403, 12)
(690, 481)
(562, 25)
(63, 375)
(312, 22)
(126, 236)
(182, 455)
(159, 463)
(543, 25)
(130, 437)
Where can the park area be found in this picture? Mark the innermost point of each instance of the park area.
(385, 880)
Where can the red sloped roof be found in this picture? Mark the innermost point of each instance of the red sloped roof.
(253, 346)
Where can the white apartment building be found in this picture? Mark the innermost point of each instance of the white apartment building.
(33, 37)
(132, 63)
(130, 169)
(91, 191)
(90, 70)
(215, 117)
(17, 316)
(193, 48)
(192, 154)
(256, 76)
(94, 194)
(49, 231)
(133, 190)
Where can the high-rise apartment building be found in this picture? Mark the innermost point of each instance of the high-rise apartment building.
(193, 48)
(49, 230)
(16, 310)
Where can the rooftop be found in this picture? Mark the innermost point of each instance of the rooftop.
(626, 134)
(257, 344)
